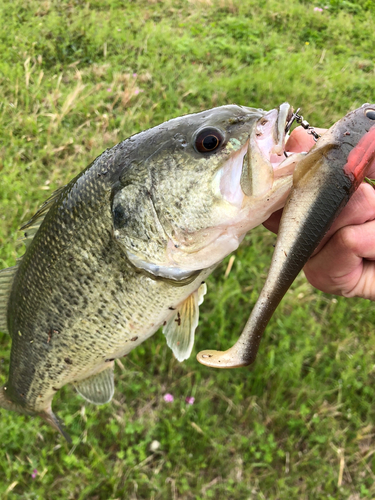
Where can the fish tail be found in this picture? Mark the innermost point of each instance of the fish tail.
(47, 415)
(54, 421)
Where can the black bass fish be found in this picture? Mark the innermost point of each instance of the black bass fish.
(126, 246)
(323, 182)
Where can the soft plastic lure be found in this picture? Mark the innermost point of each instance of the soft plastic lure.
(323, 182)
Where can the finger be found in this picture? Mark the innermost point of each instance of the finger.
(339, 267)
(300, 140)
(272, 223)
(371, 171)
(359, 209)
(365, 286)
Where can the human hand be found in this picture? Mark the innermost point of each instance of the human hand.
(344, 262)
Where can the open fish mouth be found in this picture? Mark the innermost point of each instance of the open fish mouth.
(266, 161)
(272, 133)
(270, 137)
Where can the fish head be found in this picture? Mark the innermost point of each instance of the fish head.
(193, 186)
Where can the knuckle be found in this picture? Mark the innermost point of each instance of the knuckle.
(361, 206)
(347, 238)
(314, 276)
(368, 196)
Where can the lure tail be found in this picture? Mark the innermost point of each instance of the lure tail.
(47, 415)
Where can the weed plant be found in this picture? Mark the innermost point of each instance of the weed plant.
(77, 77)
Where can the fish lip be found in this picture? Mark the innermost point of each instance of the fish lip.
(283, 117)
(290, 114)
(270, 135)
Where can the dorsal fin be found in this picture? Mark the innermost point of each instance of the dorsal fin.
(6, 280)
(7, 275)
(31, 227)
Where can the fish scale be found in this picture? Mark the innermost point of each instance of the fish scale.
(97, 327)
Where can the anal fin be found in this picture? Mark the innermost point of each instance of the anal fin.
(99, 388)
(180, 328)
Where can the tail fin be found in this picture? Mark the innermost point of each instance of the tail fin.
(51, 419)
(47, 415)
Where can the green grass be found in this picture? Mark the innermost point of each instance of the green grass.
(78, 77)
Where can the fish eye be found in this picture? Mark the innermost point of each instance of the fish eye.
(208, 140)
(370, 113)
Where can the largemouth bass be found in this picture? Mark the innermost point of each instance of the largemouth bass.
(126, 246)
(323, 182)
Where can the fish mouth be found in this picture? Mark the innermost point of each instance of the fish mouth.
(265, 162)
(269, 139)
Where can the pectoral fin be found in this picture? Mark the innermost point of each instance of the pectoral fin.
(180, 329)
(99, 388)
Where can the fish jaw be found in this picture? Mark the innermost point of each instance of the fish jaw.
(234, 216)
(266, 143)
